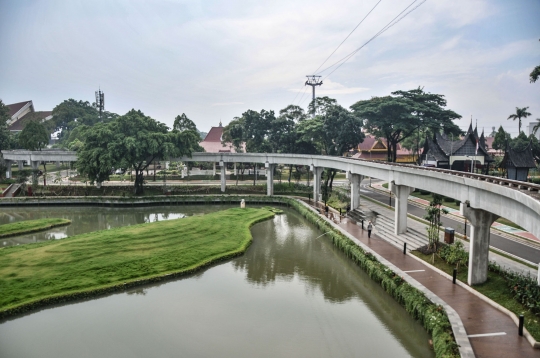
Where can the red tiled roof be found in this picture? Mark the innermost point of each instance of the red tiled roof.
(15, 107)
(214, 135)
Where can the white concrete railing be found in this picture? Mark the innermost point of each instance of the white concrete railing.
(516, 201)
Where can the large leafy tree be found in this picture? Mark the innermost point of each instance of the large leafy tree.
(520, 113)
(333, 131)
(234, 133)
(94, 159)
(34, 136)
(257, 126)
(397, 117)
(132, 141)
(71, 114)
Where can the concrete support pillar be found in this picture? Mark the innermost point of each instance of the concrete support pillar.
(20, 164)
(214, 169)
(270, 179)
(317, 172)
(57, 164)
(223, 173)
(401, 193)
(35, 165)
(355, 180)
(235, 171)
(480, 223)
(8, 170)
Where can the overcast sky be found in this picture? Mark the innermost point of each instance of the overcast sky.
(216, 59)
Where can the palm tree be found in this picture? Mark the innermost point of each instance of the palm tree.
(520, 113)
(536, 126)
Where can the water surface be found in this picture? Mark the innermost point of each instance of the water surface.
(291, 294)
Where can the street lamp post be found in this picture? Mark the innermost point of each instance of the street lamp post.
(471, 158)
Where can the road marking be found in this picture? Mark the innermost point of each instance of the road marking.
(487, 334)
(414, 271)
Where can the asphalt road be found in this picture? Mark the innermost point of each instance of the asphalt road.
(515, 248)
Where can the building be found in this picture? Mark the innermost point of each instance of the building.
(212, 142)
(465, 154)
(531, 126)
(22, 112)
(518, 163)
(373, 148)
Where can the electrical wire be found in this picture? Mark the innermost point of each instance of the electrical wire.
(385, 28)
(350, 33)
(370, 11)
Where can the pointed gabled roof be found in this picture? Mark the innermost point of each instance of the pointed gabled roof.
(519, 159)
(482, 140)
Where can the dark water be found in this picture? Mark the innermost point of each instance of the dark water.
(291, 295)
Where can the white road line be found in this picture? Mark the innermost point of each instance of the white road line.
(414, 271)
(487, 334)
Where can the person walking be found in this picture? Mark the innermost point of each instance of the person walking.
(369, 228)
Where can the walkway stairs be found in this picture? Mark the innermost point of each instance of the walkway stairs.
(384, 227)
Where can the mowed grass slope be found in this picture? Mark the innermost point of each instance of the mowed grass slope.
(91, 261)
(23, 227)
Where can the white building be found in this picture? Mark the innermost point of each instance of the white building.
(531, 125)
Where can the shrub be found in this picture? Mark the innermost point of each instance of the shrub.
(448, 200)
(454, 254)
(424, 192)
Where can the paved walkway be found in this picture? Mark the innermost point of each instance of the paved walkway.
(491, 332)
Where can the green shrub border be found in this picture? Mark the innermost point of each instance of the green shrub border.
(433, 317)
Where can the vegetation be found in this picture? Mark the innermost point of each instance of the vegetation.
(34, 136)
(433, 216)
(133, 141)
(90, 263)
(400, 116)
(24, 227)
(520, 113)
(517, 293)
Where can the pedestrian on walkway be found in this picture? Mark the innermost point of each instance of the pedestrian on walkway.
(326, 210)
(369, 228)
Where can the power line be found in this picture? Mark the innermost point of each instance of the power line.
(336, 50)
(347, 36)
(386, 27)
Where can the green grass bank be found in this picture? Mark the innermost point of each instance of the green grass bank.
(106, 261)
(28, 226)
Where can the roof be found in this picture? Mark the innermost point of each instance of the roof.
(435, 151)
(214, 135)
(19, 124)
(212, 142)
(519, 159)
(16, 107)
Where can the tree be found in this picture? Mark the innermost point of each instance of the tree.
(501, 138)
(396, 118)
(334, 131)
(183, 123)
(520, 113)
(433, 216)
(4, 133)
(132, 141)
(34, 136)
(94, 159)
(535, 73)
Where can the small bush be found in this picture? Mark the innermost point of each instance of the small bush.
(448, 200)
(424, 192)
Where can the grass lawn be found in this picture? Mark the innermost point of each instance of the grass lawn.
(101, 259)
(23, 227)
(494, 288)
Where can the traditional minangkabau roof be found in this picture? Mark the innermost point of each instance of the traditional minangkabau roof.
(519, 159)
(435, 150)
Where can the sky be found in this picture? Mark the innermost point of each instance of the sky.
(213, 60)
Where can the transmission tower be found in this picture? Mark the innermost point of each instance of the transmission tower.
(313, 81)
(100, 101)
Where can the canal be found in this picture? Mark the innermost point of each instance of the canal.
(291, 294)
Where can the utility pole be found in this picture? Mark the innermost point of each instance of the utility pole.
(313, 81)
(100, 101)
